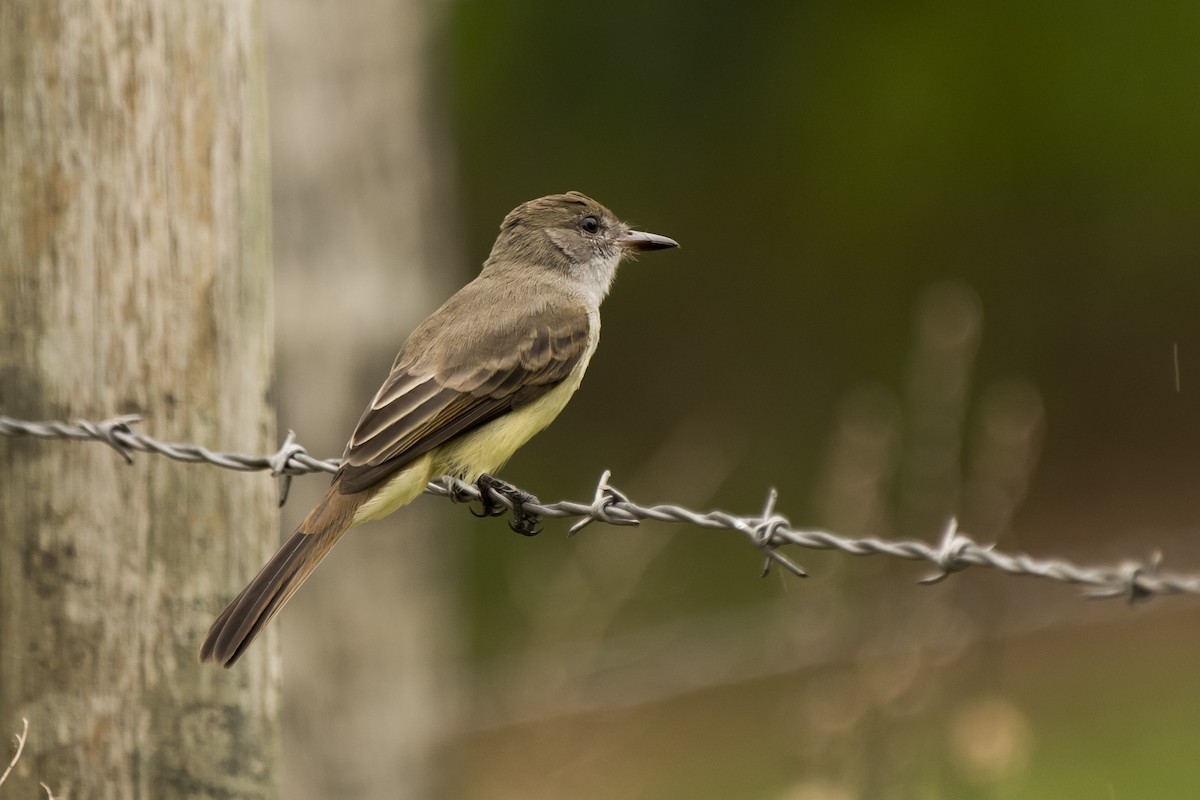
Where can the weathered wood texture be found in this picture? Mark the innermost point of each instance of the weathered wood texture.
(134, 277)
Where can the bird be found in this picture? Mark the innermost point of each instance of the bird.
(485, 372)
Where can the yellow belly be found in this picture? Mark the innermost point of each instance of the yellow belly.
(400, 490)
(484, 449)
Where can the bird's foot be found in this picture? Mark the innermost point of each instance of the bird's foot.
(523, 522)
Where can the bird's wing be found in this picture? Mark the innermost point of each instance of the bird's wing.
(456, 380)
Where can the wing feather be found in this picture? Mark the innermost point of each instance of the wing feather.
(448, 381)
(402, 397)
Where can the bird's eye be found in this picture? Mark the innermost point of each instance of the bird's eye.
(589, 224)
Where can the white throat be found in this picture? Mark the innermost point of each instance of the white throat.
(596, 275)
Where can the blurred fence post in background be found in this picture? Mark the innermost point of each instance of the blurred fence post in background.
(364, 234)
(134, 278)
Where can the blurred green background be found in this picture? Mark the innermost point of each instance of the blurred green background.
(938, 259)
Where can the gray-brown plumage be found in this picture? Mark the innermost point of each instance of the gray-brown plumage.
(479, 377)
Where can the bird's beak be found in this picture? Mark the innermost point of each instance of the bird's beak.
(637, 240)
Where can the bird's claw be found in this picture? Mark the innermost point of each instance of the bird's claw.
(523, 522)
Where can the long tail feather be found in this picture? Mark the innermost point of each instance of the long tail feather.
(265, 596)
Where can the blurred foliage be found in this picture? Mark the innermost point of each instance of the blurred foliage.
(823, 165)
(823, 162)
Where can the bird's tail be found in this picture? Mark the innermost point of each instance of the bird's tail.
(244, 619)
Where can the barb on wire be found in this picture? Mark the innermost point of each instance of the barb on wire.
(768, 532)
(948, 551)
(604, 498)
(291, 459)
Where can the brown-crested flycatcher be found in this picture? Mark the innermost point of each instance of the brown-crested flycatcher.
(475, 381)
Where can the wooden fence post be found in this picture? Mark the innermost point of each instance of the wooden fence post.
(134, 278)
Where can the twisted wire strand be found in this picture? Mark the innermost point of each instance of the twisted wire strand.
(1131, 580)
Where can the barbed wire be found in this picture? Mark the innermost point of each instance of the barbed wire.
(768, 531)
